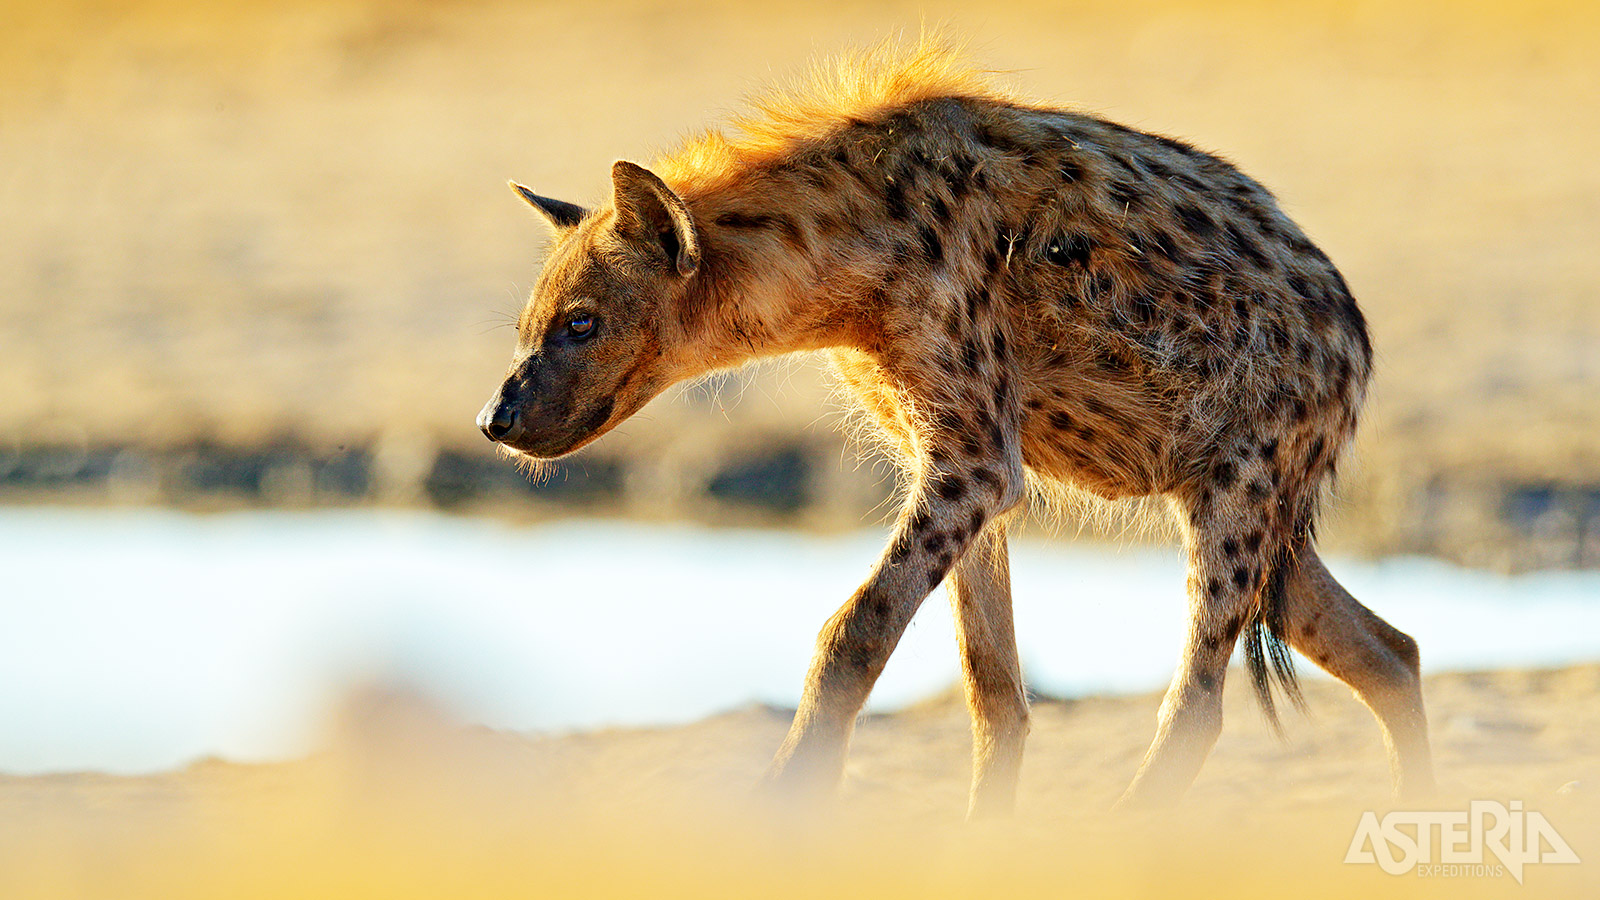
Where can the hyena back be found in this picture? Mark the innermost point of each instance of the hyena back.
(1011, 291)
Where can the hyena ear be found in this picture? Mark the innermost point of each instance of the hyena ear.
(560, 214)
(648, 210)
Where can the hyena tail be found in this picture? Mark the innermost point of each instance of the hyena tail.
(1267, 656)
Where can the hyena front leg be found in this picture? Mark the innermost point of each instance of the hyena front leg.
(980, 591)
(950, 505)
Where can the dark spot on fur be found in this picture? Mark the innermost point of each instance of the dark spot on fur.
(975, 298)
(987, 478)
(1314, 454)
(1190, 182)
(953, 327)
(1137, 241)
(1164, 245)
(861, 657)
(1257, 492)
(1195, 220)
(1104, 284)
(1109, 361)
(991, 261)
(1350, 313)
(1006, 144)
(931, 248)
(1241, 334)
(1144, 310)
(975, 522)
(1342, 372)
(1069, 250)
(1235, 624)
(949, 486)
(1277, 335)
(742, 220)
(894, 201)
(1230, 547)
(934, 542)
(1243, 246)
(1269, 450)
(1060, 420)
(900, 549)
(991, 426)
(956, 178)
(790, 229)
(1223, 475)
(1241, 577)
(599, 415)
(969, 355)
(1252, 542)
(1213, 587)
(1123, 194)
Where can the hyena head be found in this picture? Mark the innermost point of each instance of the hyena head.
(594, 342)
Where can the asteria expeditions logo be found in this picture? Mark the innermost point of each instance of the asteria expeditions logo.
(1404, 840)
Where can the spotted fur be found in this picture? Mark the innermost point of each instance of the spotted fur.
(1010, 290)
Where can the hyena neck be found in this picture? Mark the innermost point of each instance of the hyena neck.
(770, 284)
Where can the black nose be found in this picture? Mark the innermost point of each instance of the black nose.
(497, 420)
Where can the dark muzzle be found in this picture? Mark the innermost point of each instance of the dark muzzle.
(498, 420)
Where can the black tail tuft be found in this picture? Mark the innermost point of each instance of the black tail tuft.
(1267, 656)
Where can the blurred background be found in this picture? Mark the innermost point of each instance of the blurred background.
(258, 264)
(261, 254)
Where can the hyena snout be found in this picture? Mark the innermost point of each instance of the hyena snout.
(499, 420)
(537, 412)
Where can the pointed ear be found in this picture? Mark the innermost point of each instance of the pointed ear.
(560, 214)
(648, 210)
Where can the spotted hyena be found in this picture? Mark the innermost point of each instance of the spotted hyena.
(1010, 290)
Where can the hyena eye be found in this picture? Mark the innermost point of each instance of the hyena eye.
(580, 326)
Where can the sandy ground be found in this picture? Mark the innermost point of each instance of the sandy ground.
(404, 803)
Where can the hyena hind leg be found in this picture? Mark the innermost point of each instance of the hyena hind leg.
(980, 591)
(1377, 661)
(1224, 573)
